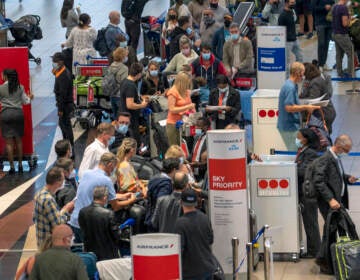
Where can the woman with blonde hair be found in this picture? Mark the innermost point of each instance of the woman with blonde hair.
(126, 177)
(175, 151)
(186, 56)
(121, 71)
(179, 103)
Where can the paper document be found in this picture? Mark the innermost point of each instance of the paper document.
(313, 101)
(215, 108)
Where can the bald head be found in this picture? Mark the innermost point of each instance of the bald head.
(114, 17)
(62, 235)
(342, 144)
(181, 180)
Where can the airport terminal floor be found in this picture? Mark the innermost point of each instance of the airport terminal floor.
(17, 231)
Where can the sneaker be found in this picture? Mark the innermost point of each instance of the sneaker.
(321, 68)
(326, 68)
(309, 35)
(299, 34)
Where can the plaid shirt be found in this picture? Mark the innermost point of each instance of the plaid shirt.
(47, 215)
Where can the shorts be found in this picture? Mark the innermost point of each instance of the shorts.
(303, 7)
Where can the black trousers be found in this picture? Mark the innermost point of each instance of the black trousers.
(65, 123)
(132, 28)
(309, 212)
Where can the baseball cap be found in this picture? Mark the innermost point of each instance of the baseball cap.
(189, 198)
(58, 56)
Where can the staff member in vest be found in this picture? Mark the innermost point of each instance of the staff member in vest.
(179, 102)
(12, 97)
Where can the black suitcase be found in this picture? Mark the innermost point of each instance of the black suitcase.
(345, 255)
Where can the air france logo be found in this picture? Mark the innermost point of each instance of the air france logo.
(276, 39)
(154, 247)
(234, 147)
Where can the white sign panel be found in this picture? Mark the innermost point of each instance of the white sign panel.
(228, 193)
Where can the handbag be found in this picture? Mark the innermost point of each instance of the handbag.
(319, 127)
(218, 274)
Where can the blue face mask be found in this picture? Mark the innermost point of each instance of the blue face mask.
(234, 37)
(206, 56)
(125, 59)
(198, 131)
(154, 73)
(122, 128)
(298, 143)
(111, 140)
(223, 90)
(123, 44)
(55, 65)
(342, 155)
(189, 30)
(181, 159)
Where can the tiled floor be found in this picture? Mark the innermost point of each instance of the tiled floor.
(16, 191)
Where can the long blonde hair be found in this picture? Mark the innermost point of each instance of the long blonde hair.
(126, 146)
(183, 83)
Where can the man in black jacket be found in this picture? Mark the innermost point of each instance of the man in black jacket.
(63, 90)
(168, 207)
(224, 95)
(330, 178)
(160, 185)
(101, 233)
(183, 28)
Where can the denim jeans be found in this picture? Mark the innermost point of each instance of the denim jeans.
(343, 45)
(115, 101)
(324, 37)
(293, 47)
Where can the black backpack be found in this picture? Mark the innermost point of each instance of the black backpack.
(100, 43)
(110, 86)
(308, 187)
(128, 8)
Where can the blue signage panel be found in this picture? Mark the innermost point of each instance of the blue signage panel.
(271, 59)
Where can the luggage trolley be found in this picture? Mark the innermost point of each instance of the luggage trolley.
(90, 104)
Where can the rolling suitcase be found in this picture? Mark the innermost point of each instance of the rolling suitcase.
(345, 255)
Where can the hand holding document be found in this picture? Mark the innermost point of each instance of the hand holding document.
(315, 101)
(215, 108)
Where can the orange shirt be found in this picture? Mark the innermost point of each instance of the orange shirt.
(172, 118)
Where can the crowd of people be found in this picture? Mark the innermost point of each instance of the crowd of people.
(205, 50)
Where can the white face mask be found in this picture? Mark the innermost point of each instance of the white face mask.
(72, 241)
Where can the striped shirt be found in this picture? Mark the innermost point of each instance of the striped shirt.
(46, 215)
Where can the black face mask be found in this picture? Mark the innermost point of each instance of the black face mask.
(214, 5)
(200, 2)
(292, 6)
(227, 23)
(172, 17)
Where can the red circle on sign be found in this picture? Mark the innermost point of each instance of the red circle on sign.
(277, 113)
(262, 113)
(284, 183)
(263, 184)
(271, 113)
(273, 184)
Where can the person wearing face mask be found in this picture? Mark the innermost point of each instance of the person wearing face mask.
(58, 262)
(272, 11)
(99, 176)
(289, 109)
(183, 28)
(68, 190)
(208, 66)
(121, 71)
(224, 95)
(131, 101)
(63, 90)
(182, 10)
(185, 56)
(199, 167)
(154, 83)
(330, 181)
(287, 18)
(196, 8)
(221, 36)
(209, 26)
(122, 130)
(105, 137)
(47, 213)
(219, 11)
(112, 30)
(168, 27)
(308, 144)
(97, 223)
(238, 56)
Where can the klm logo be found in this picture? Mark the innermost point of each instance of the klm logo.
(234, 147)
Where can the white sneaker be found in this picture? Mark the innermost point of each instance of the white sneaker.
(326, 68)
